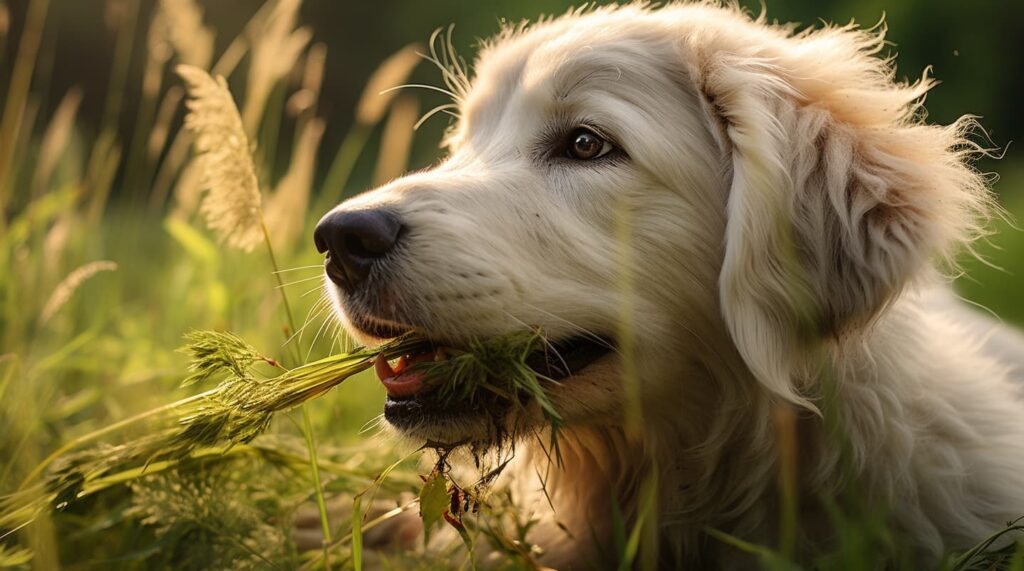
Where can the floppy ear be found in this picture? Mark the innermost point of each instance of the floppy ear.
(839, 195)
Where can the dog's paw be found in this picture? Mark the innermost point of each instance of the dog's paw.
(399, 532)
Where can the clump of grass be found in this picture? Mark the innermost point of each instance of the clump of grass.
(203, 518)
(496, 365)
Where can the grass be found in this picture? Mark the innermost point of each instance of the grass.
(108, 459)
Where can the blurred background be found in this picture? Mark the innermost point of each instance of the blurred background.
(969, 46)
(105, 261)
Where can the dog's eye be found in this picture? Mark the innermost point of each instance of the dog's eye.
(585, 145)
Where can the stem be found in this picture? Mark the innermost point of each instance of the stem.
(17, 95)
(321, 504)
(280, 285)
(307, 423)
(340, 171)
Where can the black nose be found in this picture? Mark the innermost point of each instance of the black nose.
(354, 240)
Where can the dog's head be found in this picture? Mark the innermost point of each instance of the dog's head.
(711, 190)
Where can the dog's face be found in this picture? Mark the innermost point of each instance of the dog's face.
(576, 178)
(596, 184)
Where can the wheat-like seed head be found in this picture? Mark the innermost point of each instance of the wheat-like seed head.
(182, 23)
(56, 138)
(286, 208)
(231, 205)
(158, 42)
(379, 90)
(302, 103)
(276, 47)
(62, 293)
(5, 20)
(115, 14)
(56, 242)
(162, 123)
(396, 140)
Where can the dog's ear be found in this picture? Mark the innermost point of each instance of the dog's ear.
(840, 194)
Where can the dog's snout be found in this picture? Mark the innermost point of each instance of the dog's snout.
(354, 240)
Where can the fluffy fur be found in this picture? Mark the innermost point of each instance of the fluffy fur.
(770, 234)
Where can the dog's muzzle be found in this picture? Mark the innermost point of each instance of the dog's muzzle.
(355, 241)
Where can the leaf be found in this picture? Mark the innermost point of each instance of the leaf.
(433, 500)
(357, 534)
(16, 557)
(197, 246)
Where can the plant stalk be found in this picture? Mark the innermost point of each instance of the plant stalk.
(307, 422)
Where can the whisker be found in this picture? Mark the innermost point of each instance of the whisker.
(314, 311)
(576, 328)
(375, 423)
(323, 305)
(297, 268)
(317, 288)
(319, 331)
(434, 111)
(316, 277)
(423, 86)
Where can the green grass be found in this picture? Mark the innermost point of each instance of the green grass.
(195, 487)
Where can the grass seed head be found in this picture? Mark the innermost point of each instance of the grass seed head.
(184, 31)
(393, 72)
(232, 204)
(216, 352)
(66, 288)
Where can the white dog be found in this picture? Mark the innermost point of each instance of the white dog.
(757, 218)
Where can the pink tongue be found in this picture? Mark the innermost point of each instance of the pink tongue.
(398, 381)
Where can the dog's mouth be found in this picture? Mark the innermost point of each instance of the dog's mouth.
(416, 402)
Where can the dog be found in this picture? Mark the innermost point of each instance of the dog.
(717, 223)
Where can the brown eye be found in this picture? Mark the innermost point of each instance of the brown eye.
(585, 145)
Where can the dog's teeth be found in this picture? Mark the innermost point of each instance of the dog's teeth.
(402, 363)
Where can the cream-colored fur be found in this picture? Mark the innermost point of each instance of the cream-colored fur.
(787, 207)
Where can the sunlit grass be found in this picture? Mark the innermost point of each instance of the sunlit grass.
(108, 264)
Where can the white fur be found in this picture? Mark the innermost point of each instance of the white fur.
(786, 208)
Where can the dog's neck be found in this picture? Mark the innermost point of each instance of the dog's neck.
(715, 450)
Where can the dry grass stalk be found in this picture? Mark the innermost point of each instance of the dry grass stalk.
(231, 205)
(396, 141)
(276, 47)
(188, 190)
(158, 43)
(171, 169)
(55, 139)
(56, 242)
(100, 172)
(162, 125)
(302, 103)
(66, 288)
(5, 21)
(15, 100)
(286, 209)
(116, 13)
(380, 89)
(185, 32)
(158, 53)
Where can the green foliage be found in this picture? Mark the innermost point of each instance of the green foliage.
(204, 519)
(211, 480)
(434, 500)
(14, 558)
(497, 365)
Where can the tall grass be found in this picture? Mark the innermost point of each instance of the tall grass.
(108, 262)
